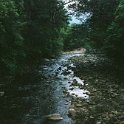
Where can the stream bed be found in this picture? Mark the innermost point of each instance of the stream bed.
(60, 79)
(74, 88)
(50, 93)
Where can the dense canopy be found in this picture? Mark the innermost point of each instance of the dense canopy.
(34, 29)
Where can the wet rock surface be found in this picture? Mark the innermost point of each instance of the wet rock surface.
(106, 96)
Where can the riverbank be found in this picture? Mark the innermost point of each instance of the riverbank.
(106, 96)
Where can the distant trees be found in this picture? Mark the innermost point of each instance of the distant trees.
(29, 31)
(102, 15)
(105, 26)
(75, 37)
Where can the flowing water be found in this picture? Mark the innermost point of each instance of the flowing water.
(51, 94)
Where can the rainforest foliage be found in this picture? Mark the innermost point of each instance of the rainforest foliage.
(34, 29)
(29, 31)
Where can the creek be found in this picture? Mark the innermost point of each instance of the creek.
(56, 90)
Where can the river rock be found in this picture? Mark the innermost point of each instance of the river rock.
(81, 87)
(88, 93)
(55, 117)
(59, 68)
(66, 72)
(66, 103)
(99, 122)
(72, 106)
(121, 117)
(47, 60)
(74, 83)
(71, 88)
(78, 105)
(2, 93)
(65, 91)
(94, 90)
(72, 112)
